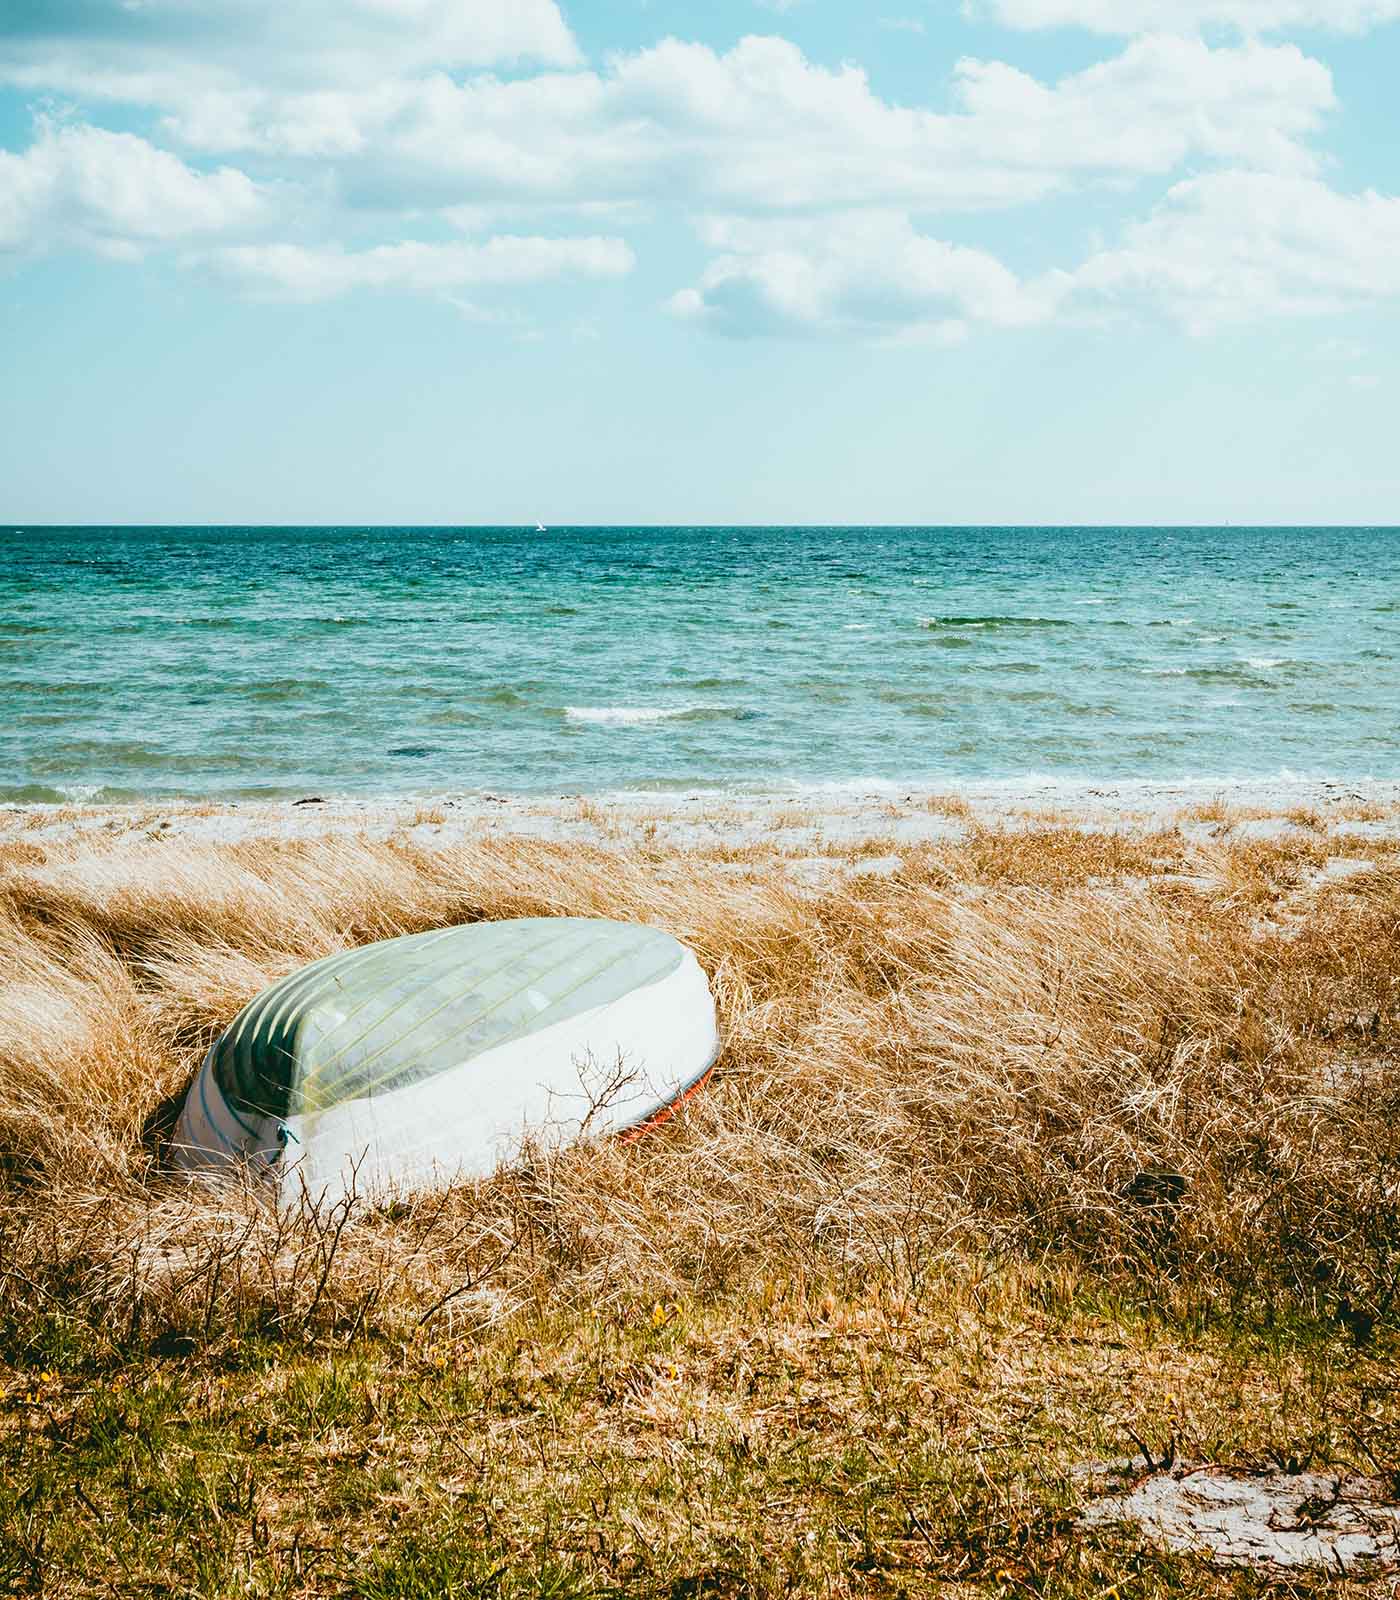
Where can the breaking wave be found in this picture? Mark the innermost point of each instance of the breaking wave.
(633, 716)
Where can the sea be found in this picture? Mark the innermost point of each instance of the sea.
(284, 662)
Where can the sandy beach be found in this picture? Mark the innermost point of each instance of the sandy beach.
(792, 822)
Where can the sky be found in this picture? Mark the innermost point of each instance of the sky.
(613, 261)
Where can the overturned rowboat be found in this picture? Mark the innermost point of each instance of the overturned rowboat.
(419, 1062)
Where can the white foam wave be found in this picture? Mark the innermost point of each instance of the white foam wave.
(1029, 785)
(1265, 663)
(841, 788)
(629, 716)
(1077, 783)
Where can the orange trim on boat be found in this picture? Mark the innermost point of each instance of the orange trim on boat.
(631, 1135)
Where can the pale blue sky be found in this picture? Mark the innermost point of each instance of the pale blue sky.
(460, 261)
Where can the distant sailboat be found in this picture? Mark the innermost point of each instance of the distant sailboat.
(540, 528)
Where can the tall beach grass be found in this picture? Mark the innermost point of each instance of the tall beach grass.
(1177, 1075)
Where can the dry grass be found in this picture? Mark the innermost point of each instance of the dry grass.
(1218, 809)
(949, 805)
(1031, 1059)
(995, 1045)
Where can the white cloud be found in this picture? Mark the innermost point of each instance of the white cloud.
(1179, 16)
(867, 273)
(1236, 247)
(159, 51)
(1163, 101)
(303, 273)
(114, 192)
(1224, 249)
(810, 180)
(760, 127)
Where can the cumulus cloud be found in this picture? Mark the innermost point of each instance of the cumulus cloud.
(817, 192)
(1225, 248)
(1144, 16)
(304, 273)
(154, 51)
(114, 192)
(1235, 247)
(761, 127)
(866, 273)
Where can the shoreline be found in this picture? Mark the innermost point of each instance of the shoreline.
(795, 819)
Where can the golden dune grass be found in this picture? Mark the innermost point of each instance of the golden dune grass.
(1035, 1045)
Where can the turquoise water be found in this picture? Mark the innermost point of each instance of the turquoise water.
(289, 661)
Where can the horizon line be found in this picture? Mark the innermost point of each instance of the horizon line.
(29, 525)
